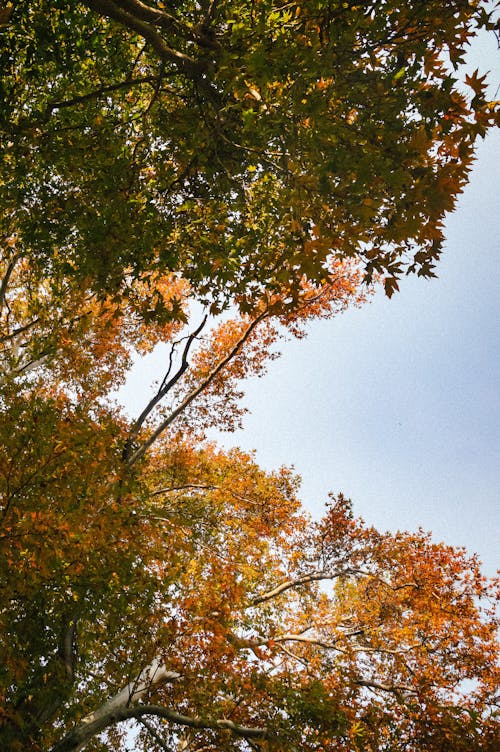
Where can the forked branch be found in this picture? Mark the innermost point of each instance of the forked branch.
(197, 390)
(141, 22)
(299, 581)
(123, 707)
(166, 385)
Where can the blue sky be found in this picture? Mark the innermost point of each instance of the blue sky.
(397, 404)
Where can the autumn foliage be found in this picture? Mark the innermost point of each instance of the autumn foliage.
(150, 577)
(207, 180)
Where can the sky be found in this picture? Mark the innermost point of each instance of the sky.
(397, 404)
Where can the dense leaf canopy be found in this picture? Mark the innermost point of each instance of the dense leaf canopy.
(241, 144)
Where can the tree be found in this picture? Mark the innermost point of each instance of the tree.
(159, 166)
(239, 144)
(149, 577)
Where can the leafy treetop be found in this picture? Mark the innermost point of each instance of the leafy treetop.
(272, 156)
(238, 144)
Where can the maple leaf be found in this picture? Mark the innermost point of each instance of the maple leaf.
(476, 82)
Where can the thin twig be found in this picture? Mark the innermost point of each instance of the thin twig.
(164, 389)
(99, 92)
(149, 728)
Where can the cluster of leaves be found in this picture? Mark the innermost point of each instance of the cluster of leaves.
(240, 144)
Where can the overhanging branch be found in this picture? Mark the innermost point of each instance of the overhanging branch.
(250, 732)
(145, 29)
(126, 84)
(156, 736)
(165, 386)
(299, 581)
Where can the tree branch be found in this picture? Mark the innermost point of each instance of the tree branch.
(19, 331)
(117, 708)
(68, 653)
(32, 365)
(393, 688)
(304, 580)
(154, 16)
(250, 732)
(300, 659)
(135, 23)
(185, 487)
(243, 642)
(99, 92)
(156, 736)
(197, 391)
(163, 390)
(7, 276)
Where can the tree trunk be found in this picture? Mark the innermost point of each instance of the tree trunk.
(116, 709)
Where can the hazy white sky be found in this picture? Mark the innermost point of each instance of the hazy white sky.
(397, 404)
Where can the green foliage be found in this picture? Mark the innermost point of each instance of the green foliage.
(315, 706)
(239, 144)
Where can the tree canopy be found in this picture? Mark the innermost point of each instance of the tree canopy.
(148, 577)
(240, 144)
(161, 164)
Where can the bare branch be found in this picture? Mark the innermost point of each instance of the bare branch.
(185, 487)
(393, 688)
(295, 657)
(149, 728)
(304, 580)
(68, 650)
(164, 388)
(117, 708)
(311, 640)
(249, 732)
(155, 16)
(32, 365)
(197, 391)
(335, 644)
(155, 673)
(211, 12)
(18, 331)
(7, 276)
(94, 724)
(99, 92)
(242, 642)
